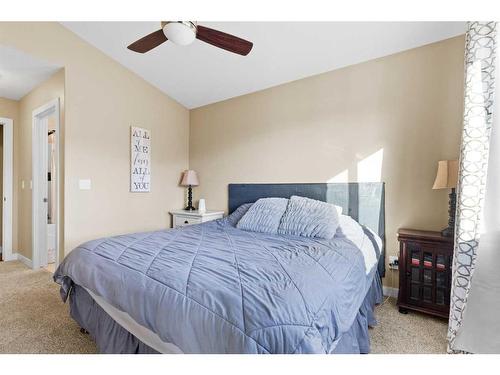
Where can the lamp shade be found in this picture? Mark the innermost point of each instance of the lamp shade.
(189, 177)
(447, 175)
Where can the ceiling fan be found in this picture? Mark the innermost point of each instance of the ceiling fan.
(185, 32)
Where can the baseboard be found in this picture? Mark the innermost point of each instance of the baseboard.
(27, 262)
(11, 257)
(390, 292)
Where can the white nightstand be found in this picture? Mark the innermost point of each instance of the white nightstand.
(181, 218)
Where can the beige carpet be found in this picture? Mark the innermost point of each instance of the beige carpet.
(413, 333)
(33, 319)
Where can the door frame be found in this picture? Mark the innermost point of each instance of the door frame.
(8, 180)
(39, 222)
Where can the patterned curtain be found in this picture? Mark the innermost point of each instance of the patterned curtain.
(480, 60)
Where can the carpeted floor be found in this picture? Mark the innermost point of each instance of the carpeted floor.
(413, 333)
(33, 319)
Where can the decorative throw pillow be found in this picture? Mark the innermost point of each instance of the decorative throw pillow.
(309, 218)
(264, 215)
(237, 214)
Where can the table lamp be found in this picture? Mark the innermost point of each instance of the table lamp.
(447, 178)
(189, 179)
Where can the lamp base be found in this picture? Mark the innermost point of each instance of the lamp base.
(190, 200)
(450, 230)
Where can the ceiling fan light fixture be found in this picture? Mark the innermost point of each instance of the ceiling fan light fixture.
(181, 33)
(185, 32)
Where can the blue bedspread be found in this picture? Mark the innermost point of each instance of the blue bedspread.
(212, 288)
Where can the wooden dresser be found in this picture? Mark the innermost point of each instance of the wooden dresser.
(425, 260)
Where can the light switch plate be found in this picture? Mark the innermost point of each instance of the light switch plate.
(22, 184)
(85, 184)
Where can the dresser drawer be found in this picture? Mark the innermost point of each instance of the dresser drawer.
(180, 221)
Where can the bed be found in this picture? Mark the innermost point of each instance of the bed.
(213, 288)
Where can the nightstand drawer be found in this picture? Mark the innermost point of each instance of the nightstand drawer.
(181, 218)
(181, 221)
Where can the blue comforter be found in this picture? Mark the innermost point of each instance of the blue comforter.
(213, 288)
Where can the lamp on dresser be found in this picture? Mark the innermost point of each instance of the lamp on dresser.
(190, 179)
(447, 178)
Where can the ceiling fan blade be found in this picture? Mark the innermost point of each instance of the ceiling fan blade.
(225, 41)
(149, 42)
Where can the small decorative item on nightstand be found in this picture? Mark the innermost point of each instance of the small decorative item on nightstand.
(190, 179)
(425, 260)
(181, 218)
(202, 208)
(447, 178)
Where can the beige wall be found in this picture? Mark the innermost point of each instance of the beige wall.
(52, 88)
(10, 109)
(409, 105)
(103, 99)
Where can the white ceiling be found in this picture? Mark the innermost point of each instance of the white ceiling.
(20, 73)
(201, 74)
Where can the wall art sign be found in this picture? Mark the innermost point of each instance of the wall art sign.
(140, 161)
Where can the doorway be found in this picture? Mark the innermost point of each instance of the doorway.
(45, 203)
(6, 175)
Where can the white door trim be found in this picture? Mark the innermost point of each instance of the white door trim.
(39, 220)
(8, 179)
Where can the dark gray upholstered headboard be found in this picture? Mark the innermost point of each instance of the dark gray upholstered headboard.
(363, 201)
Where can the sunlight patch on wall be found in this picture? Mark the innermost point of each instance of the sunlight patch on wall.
(370, 168)
(340, 177)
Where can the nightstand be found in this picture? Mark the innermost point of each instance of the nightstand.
(181, 218)
(425, 260)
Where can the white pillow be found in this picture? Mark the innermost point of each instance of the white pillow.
(350, 229)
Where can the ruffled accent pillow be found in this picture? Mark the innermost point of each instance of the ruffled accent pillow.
(237, 214)
(264, 216)
(309, 218)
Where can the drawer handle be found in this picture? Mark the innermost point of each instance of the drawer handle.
(186, 222)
